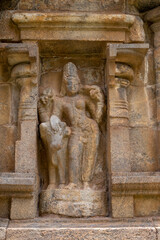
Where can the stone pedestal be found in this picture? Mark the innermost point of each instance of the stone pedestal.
(73, 203)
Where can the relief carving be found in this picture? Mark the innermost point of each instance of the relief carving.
(70, 133)
(52, 133)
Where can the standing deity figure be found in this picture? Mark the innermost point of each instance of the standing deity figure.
(81, 107)
(69, 130)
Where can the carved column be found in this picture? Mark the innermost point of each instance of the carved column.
(118, 113)
(121, 62)
(118, 79)
(26, 77)
(119, 131)
(153, 16)
(27, 83)
(27, 115)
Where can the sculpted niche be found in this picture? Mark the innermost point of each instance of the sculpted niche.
(70, 134)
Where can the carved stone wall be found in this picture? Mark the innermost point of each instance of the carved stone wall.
(89, 71)
(79, 119)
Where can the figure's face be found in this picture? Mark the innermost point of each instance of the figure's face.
(47, 96)
(72, 84)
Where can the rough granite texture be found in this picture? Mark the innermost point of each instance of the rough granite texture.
(80, 119)
(97, 228)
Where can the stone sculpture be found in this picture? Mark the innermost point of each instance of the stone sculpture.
(81, 109)
(76, 158)
(52, 134)
(75, 103)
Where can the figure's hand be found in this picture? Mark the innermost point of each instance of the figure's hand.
(47, 96)
(95, 93)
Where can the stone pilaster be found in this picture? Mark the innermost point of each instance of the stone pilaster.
(27, 105)
(26, 77)
(121, 62)
(119, 136)
(119, 122)
(153, 17)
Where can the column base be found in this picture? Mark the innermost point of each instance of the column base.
(122, 207)
(23, 208)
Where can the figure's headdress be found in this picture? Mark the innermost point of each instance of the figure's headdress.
(69, 69)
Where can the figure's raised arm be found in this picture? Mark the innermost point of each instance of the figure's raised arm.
(49, 103)
(95, 101)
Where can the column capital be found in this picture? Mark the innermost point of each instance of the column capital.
(123, 59)
(124, 74)
(26, 79)
(122, 82)
(22, 71)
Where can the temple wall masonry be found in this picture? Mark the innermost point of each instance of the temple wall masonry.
(80, 119)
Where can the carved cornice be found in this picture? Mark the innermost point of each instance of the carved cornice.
(79, 26)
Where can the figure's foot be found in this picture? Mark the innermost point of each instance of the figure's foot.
(86, 185)
(71, 186)
(61, 186)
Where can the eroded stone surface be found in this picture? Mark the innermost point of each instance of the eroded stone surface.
(103, 27)
(3, 228)
(7, 150)
(71, 160)
(75, 233)
(73, 203)
(70, 5)
(95, 142)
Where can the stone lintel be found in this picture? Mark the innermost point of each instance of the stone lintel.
(79, 26)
